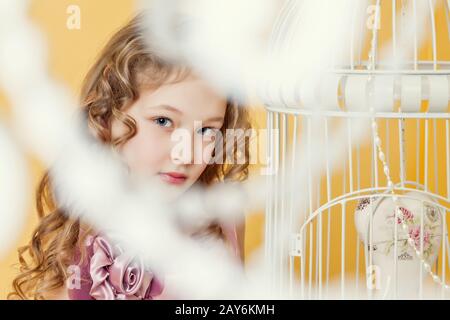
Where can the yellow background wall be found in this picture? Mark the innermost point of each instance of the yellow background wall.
(71, 52)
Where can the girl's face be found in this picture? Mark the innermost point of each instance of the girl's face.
(176, 128)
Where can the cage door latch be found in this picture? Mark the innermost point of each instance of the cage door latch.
(295, 245)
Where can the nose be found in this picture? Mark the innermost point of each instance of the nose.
(183, 147)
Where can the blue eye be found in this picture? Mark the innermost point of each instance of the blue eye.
(163, 122)
(208, 131)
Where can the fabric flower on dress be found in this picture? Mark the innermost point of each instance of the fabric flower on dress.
(117, 276)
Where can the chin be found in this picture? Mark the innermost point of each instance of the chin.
(173, 192)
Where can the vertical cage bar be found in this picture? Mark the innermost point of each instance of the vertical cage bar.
(375, 163)
(396, 251)
(421, 252)
(447, 140)
(435, 152)
(276, 201)
(388, 142)
(433, 33)
(328, 173)
(302, 264)
(269, 203)
(443, 232)
(282, 214)
(310, 193)
(401, 134)
(318, 240)
(350, 160)
(343, 251)
(418, 151)
(291, 193)
(372, 200)
(425, 165)
(394, 29)
(320, 248)
(358, 185)
(352, 41)
(415, 35)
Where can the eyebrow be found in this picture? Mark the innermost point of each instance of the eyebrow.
(173, 109)
(167, 107)
(218, 119)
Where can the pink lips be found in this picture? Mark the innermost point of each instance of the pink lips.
(173, 177)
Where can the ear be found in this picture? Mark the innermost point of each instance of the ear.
(100, 134)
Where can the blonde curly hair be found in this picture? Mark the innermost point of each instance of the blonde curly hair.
(125, 66)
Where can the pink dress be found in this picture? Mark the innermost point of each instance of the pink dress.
(108, 274)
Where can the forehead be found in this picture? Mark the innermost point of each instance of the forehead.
(192, 96)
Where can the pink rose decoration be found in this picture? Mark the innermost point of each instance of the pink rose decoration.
(414, 234)
(407, 215)
(117, 276)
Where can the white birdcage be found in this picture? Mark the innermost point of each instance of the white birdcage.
(390, 196)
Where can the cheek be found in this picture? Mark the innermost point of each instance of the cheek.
(146, 151)
(197, 170)
(208, 148)
(206, 151)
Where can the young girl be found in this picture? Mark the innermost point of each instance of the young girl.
(133, 100)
